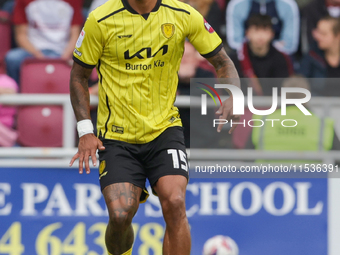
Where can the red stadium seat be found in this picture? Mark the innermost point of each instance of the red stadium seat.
(45, 76)
(5, 35)
(40, 126)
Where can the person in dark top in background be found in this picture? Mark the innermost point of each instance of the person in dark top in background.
(258, 58)
(324, 62)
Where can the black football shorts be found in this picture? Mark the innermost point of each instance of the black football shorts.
(133, 163)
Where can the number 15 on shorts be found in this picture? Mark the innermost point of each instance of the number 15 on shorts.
(178, 162)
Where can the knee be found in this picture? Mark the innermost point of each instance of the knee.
(174, 207)
(121, 218)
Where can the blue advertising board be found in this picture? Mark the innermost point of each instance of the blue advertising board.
(53, 211)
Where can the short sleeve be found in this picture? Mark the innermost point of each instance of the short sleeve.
(202, 36)
(90, 44)
(19, 14)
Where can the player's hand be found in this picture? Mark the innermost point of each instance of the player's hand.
(226, 112)
(88, 145)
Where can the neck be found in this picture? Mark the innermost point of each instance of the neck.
(259, 51)
(142, 6)
(334, 51)
(332, 55)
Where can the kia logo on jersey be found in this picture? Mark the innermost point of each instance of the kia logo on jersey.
(208, 27)
(148, 54)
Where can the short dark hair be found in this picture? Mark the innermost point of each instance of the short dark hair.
(259, 20)
(336, 23)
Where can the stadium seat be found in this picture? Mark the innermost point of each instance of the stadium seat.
(5, 35)
(45, 76)
(40, 126)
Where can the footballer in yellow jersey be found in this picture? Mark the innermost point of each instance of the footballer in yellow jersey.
(137, 59)
(137, 46)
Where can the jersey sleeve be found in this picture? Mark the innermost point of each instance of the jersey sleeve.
(202, 36)
(90, 44)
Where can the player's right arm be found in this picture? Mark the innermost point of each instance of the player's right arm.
(80, 99)
(86, 55)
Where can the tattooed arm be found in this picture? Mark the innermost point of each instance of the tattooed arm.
(224, 67)
(80, 99)
(79, 91)
(226, 72)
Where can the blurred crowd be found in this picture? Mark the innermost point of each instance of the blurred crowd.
(264, 38)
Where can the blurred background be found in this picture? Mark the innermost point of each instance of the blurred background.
(47, 208)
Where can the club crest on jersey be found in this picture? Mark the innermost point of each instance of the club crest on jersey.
(208, 27)
(168, 30)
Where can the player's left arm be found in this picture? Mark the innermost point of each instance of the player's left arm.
(226, 72)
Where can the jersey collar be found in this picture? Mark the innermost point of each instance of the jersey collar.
(145, 15)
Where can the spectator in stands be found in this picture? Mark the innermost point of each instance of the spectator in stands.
(7, 113)
(258, 58)
(312, 133)
(311, 15)
(44, 29)
(284, 17)
(324, 63)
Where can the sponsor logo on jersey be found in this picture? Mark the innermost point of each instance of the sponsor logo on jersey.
(168, 30)
(116, 129)
(124, 36)
(80, 38)
(208, 27)
(141, 53)
(78, 52)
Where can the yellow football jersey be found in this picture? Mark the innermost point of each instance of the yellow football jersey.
(137, 59)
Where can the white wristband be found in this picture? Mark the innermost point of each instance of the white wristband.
(84, 127)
